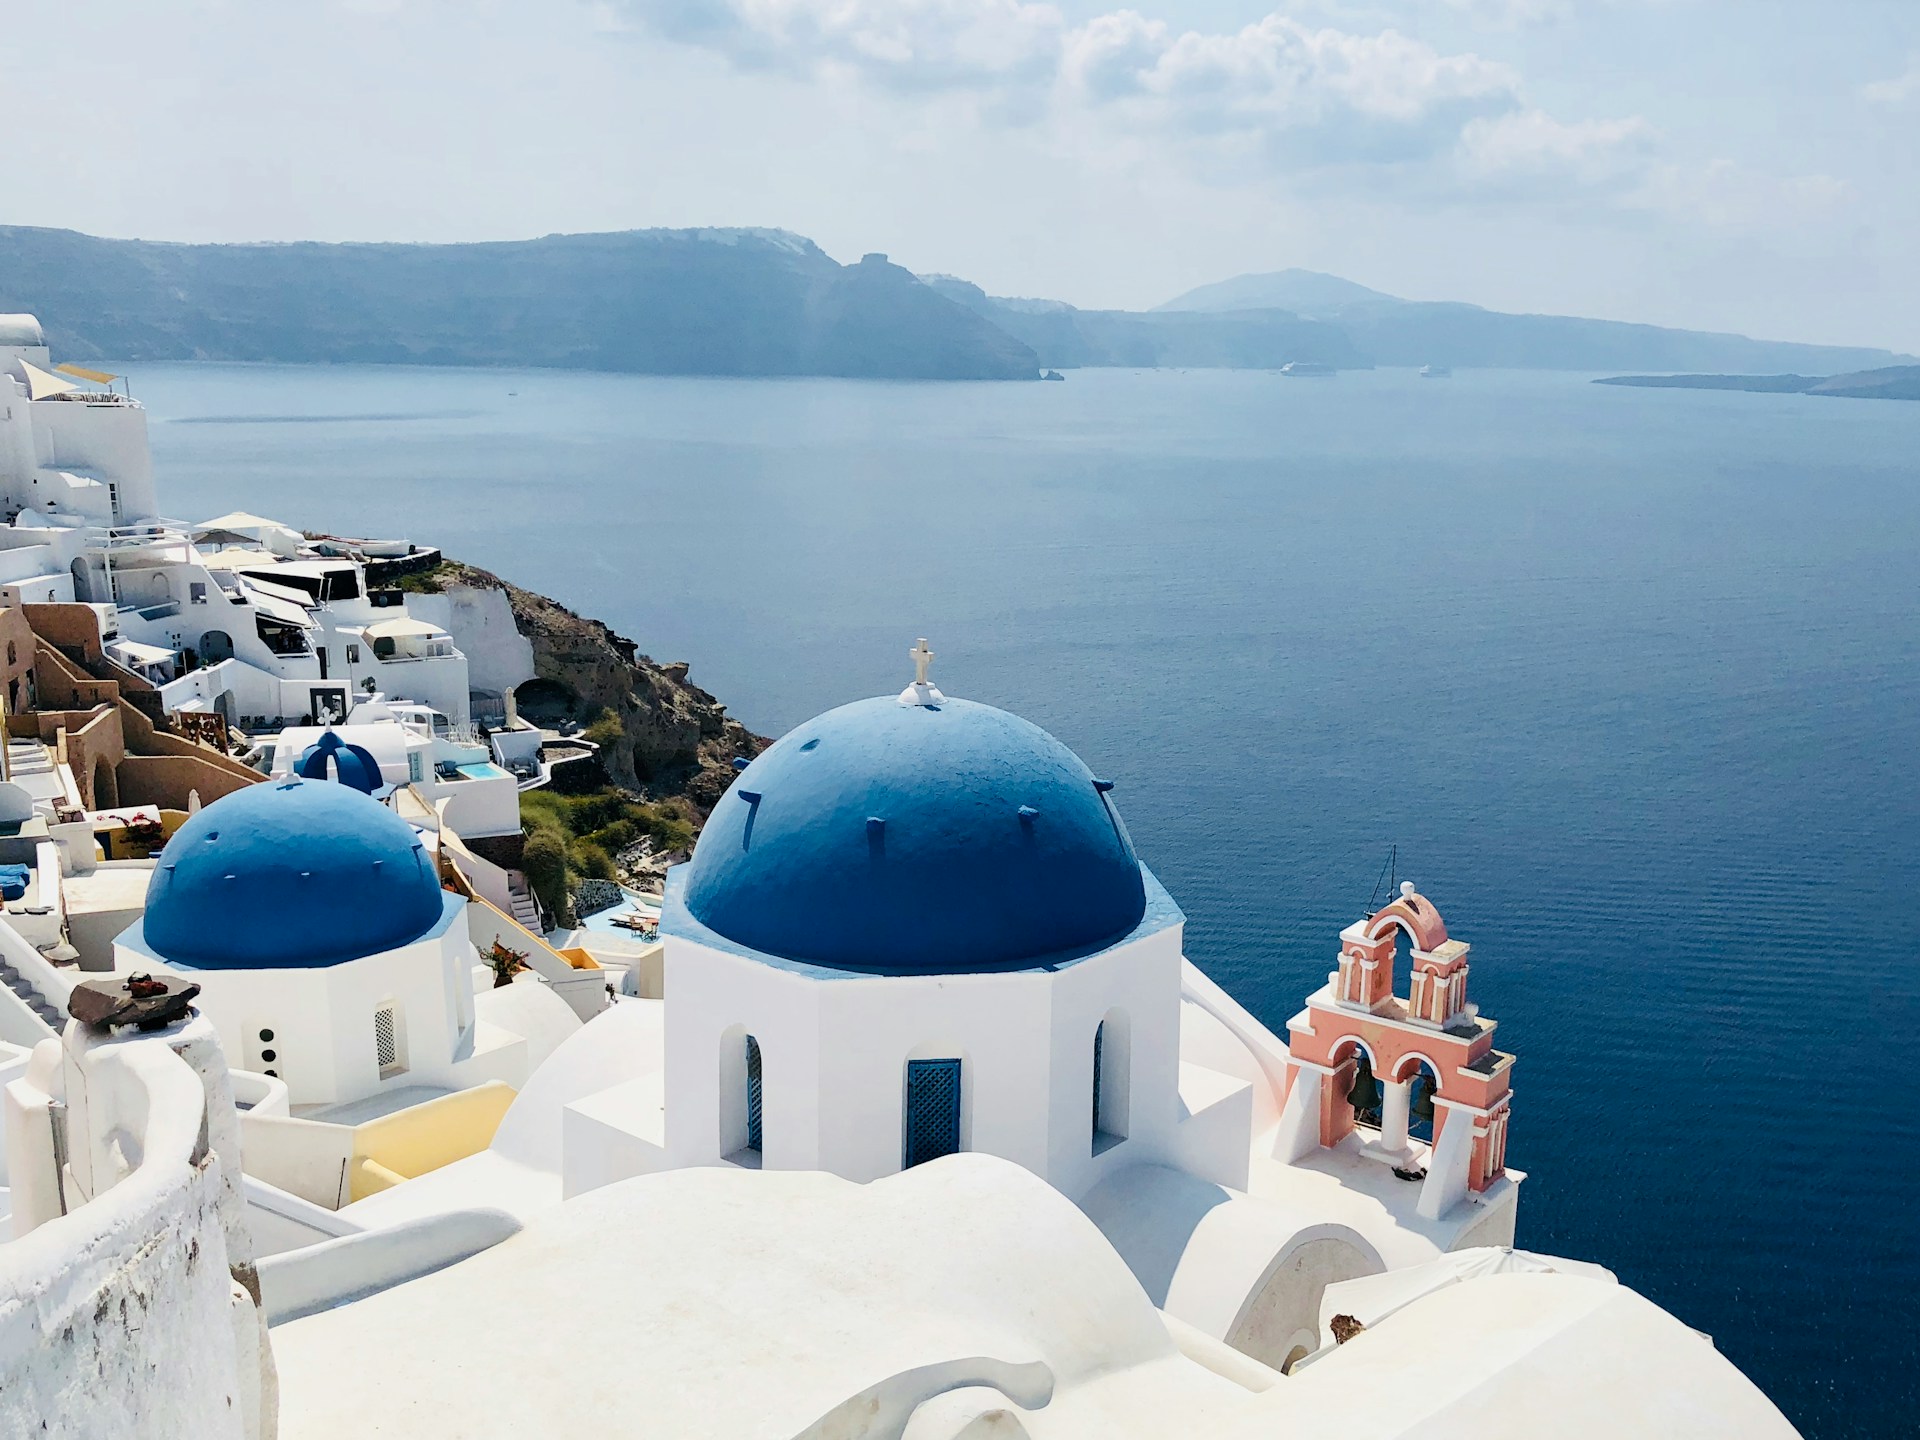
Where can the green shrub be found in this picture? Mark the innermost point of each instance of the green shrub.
(615, 837)
(589, 862)
(605, 731)
(545, 862)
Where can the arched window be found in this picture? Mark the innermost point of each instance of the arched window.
(753, 1093)
(740, 1095)
(932, 1122)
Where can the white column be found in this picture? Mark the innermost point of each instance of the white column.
(1395, 1108)
(1446, 1182)
(1298, 1135)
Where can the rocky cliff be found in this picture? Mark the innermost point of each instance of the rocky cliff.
(672, 741)
(656, 302)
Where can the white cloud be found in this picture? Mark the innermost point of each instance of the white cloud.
(1278, 94)
(1897, 91)
(1512, 14)
(1525, 146)
(1731, 196)
(899, 44)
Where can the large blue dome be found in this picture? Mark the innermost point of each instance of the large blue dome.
(916, 839)
(290, 874)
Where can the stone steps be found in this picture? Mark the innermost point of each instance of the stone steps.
(37, 1002)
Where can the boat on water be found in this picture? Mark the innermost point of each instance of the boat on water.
(1309, 369)
(1435, 372)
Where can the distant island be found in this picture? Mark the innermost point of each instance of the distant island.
(1890, 382)
(770, 303)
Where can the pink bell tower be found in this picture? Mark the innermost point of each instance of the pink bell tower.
(1357, 1041)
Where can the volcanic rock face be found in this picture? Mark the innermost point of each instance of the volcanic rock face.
(674, 740)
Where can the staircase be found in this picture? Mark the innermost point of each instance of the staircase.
(524, 909)
(35, 1001)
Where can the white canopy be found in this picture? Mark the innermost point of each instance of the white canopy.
(239, 520)
(401, 627)
(40, 384)
(280, 539)
(1372, 1298)
(133, 652)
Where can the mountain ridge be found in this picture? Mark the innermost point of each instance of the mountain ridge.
(769, 302)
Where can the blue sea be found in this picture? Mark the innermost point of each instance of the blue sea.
(1631, 678)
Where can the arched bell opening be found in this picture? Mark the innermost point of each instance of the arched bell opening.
(1358, 1083)
(1420, 1106)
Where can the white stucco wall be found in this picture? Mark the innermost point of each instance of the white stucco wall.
(499, 657)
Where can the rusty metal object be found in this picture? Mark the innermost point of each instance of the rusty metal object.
(150, 1002)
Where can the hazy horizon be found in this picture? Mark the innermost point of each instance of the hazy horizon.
(1635, 160)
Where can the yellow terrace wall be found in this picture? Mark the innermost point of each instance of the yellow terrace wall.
(423, 1137)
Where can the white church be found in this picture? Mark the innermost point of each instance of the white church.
(933, 1133)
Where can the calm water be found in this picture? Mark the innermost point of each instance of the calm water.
(1632, 679)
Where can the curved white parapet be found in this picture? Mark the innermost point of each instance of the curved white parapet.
(132, 1257)
(1242, 1270)
(354, 1266)
(881, 1412)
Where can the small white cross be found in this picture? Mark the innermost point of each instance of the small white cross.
(922, 657)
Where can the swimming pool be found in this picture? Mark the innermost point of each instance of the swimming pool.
(483, 770)
(602, 920)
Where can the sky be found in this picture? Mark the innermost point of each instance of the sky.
(1737, 165)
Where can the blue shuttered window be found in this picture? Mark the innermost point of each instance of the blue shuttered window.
(753, 1093)
(933, 1111)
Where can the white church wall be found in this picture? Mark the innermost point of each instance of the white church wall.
(1137, 985)
(715, 993)
(322, 1019)
(834, 1056)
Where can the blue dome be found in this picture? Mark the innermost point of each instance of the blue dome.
(349, 764)
(916, 839)
(290, 874)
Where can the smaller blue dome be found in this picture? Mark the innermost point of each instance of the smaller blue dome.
(287, 875)
(331, 758)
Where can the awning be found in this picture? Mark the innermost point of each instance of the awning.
(403, 626)
(284, 611)
(132, 652)
(99, 377)
(292, 594)
(40, 384)
(236, 559)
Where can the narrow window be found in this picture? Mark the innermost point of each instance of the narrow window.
(1112, 1072)
(1099, 1043)
(389, 1041)
(753, 1093)
(933, 1111)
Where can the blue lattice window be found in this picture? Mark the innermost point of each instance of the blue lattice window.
(933, 1111)
(753, 1093)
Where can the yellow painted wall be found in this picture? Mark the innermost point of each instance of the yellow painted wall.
(423, 1137)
